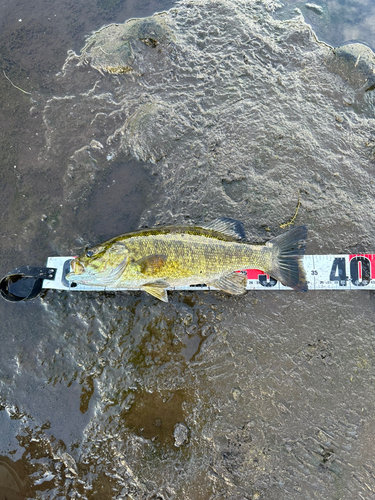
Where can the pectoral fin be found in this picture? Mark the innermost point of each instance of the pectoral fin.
(234, 283)
(151, 263)
(157, 289)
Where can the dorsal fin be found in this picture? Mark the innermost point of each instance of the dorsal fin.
(229, 227)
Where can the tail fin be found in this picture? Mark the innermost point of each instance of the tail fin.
(289, 249)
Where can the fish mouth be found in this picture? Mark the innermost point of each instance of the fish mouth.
(76, 271)
(104, 277)
(76, 267)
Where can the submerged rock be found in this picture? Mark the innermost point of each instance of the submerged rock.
(111, 49)
(317, 9)
(355, 63)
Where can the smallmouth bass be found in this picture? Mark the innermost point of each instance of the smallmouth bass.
(158, 258)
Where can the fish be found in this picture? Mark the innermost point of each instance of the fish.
(155, 259)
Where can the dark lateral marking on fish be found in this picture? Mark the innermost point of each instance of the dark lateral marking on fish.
(152, 263)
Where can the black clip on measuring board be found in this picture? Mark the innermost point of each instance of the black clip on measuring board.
(25, 283)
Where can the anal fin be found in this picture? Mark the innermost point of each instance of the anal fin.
(157, 289)
(234, 283)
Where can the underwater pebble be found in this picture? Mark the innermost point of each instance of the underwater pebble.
(315, 8)
(180, 434)
(236, 393)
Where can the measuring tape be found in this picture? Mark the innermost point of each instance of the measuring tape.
(323, 272)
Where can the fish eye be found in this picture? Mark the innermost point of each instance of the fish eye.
(89, 253)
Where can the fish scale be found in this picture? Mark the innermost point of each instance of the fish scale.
(188, 257)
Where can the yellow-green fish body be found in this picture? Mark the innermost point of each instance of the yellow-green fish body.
(158, 258)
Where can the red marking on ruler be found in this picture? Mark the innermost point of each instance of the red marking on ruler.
(253, 274)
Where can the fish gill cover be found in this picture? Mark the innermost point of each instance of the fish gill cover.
(233, 111)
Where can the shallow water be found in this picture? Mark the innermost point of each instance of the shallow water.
(336, 22)
(210, 109)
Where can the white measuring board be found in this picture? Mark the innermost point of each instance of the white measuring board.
(323, 272)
